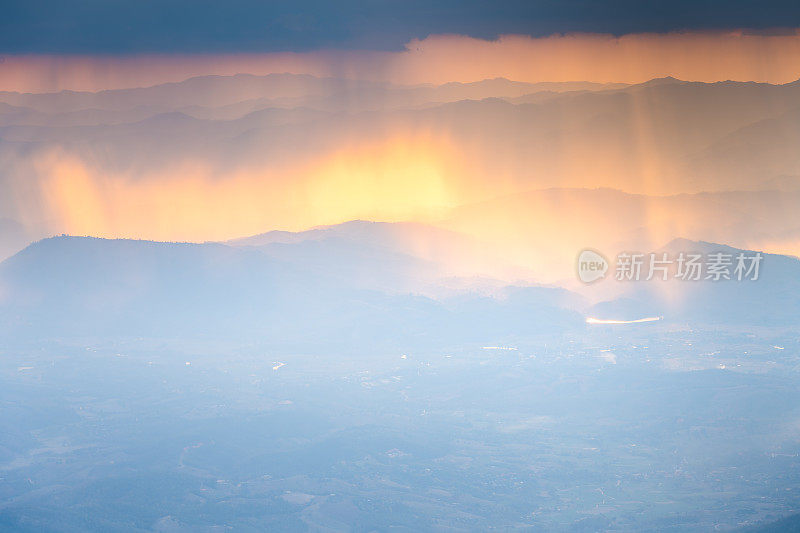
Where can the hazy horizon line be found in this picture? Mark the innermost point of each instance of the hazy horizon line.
(705, 56)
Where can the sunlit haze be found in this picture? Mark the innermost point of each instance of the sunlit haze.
(487, 265)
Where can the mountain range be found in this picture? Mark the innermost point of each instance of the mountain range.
(356, 286)
(314, 297)
(695, 160)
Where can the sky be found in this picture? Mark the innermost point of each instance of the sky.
(52, 45)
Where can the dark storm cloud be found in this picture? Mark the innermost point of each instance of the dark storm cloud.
(114, 26)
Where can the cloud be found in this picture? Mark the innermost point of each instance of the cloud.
(255, 26)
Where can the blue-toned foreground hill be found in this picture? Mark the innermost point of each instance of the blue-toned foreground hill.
(359, 284)
(81, 286)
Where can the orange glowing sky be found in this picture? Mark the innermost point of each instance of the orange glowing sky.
(410, 176)
(697, 56)
(413, 172)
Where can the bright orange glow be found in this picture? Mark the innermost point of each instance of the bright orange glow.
(395, 179)
(633, 58)
(398, 180)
